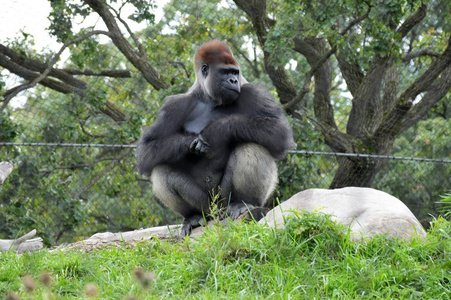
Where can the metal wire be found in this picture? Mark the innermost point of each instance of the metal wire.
(361, 155)
(297, 152)
(69, 145)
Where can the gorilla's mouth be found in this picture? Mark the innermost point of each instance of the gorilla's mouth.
(233, 89)
(229, 95)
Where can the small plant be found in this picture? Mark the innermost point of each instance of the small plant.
(216, 205)
(446, 203)
(315, 230)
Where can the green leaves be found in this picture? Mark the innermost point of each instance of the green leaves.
(446, 203)
(373, 35)
(9, 129)
(61, 20)
(143, 11)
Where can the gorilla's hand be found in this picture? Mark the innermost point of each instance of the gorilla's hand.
(216, 136)
(190, 223)
(200, 147)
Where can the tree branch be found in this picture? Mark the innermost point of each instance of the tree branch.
(357, 20)
(29, 69)
(113, 112)
(136, 59)
(308, 77)
(314, 49)
(182, 65)
(351, 73)
(366, 105)
(104, 73)
(50, 65)
(368, 116)
(253, 66)
(30, 75)
(391, 89)
(435, 81)
(256, 10)
(338, 141)
(420, 53)
(424, 81)
(412, 21)
(83, 129)
(141, 49)
(435, 93)
(82, 166)
(316, 61)
(39, 66)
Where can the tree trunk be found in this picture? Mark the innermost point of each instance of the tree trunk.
(359, 172)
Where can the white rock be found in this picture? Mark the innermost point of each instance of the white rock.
(5, 169)
(366, 211)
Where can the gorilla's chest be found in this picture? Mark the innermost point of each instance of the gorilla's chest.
(202, 115)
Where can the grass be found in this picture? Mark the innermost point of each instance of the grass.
(311, 258)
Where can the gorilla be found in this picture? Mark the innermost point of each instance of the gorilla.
(222, 136)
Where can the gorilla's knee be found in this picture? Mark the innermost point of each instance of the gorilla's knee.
(251, 175)
(162, 189)
(179, 191)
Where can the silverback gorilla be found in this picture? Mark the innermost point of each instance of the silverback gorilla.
(222, 136)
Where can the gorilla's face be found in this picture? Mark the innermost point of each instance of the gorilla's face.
(222, 83)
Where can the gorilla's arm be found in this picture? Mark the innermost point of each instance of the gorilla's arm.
(260, 120)
(270, 132)
(164, 141)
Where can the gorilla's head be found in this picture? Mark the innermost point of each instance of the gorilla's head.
(218, 73)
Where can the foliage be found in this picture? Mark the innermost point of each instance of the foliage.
(9, 128)
(446, 202)
(296, 172)
(68, 193)
(425, 139)
(313, 258)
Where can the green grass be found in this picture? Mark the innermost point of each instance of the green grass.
(311, 258)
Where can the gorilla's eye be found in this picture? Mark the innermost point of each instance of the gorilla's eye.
(204, 70)
(230, 71)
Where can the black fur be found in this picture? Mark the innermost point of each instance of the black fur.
(192, 149)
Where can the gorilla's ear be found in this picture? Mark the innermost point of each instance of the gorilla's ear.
(204, 70)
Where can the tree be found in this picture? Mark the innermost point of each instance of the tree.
(374, 43)
(371, 44)
(353, 75)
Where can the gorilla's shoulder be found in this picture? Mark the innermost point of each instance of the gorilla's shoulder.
(255, 88)
(256, 91)
(176, 98)
(177, 101)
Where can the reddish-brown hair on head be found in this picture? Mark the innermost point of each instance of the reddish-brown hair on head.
(214, 52)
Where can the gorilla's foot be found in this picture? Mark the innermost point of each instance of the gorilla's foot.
(246, 212)
(254, 214)
(190, 223)
(235, 210)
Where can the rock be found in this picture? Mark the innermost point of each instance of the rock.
(366, 211)
(23, 244)
(5, 169)
(120, 239)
